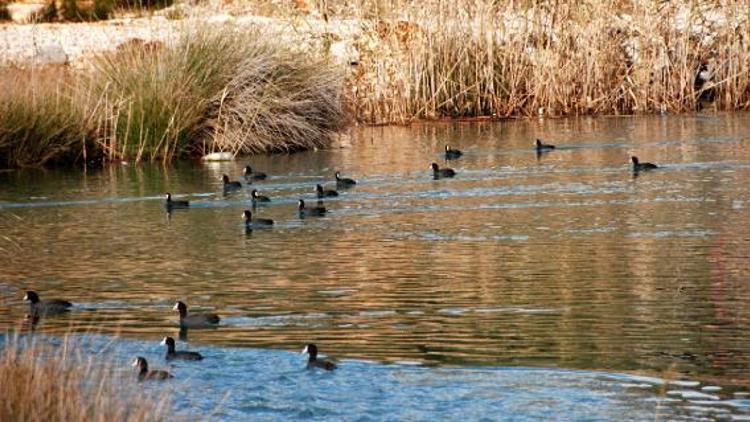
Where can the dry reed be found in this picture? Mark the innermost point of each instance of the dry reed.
(437, 59)
(45, 383)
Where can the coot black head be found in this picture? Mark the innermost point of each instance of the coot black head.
(225, 178)
(248, 215)
(254, 193)
(141, 364)
(311, 350)
(181, 308)
(634, 159)
(169, 342)
(435, 167)
(248, 170)
(301, 204)
(31, 296)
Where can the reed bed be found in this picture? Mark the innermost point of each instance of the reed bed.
(438, 59)
(62, 383)
(213, 90)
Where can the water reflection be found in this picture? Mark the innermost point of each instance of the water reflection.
(566, 259)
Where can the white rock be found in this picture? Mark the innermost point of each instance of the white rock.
(344, 52)
(50, 54)
(223, 18)
(218, 156)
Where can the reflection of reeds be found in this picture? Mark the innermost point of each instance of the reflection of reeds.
(213, 90)
(42, 383)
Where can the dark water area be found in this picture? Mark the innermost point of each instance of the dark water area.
(567, 262)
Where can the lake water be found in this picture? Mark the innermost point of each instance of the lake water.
(559, 283)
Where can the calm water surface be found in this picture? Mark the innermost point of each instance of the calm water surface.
(566, 260)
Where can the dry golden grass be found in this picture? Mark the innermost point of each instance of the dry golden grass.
(214, 90)
(437, 59)
(41, 383)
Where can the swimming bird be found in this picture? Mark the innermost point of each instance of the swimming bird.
(541, 146)
(42, 307)
(233, 185)
(250, 174)
(182, 354)
(251, 222)
(195, 320)
(451, 154)
(314, 362)
(144, 374)
(437, 172)
(322, 193)
(317, 211)
(638, 166)
(344, 182)
(170, 204)
(258, 197)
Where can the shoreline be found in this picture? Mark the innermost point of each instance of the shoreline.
(433, 65)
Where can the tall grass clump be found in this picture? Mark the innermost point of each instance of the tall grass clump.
(41, 383)
(217, 90)
(41, 119)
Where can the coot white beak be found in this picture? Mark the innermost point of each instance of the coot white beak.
(26, 297)
(135, 362)
(164, 341)
(176, 307)
(304, 350)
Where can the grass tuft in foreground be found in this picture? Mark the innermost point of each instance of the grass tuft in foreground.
(42, 383)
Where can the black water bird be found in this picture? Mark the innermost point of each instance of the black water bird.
(195, 320)
(314, 362)
(325, 193)
(344, 182)
(702, 85)
(171, 204)
(45, 307)
(251, 222)
(250, 174)
(437, 172)
(541, 146)
(258, 197)
(451, 154)
(638, 166)
(316, 211)
(144, 374)
(182, 354)
(230, 185)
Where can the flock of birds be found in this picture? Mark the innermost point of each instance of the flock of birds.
(39, 308)
(52, 306)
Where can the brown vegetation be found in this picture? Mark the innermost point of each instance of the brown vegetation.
(41, 383)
